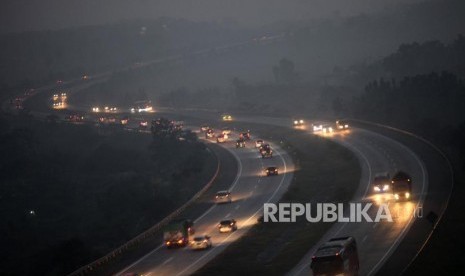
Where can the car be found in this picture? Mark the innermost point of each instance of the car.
(245, 135)
(75, 118)
(209, 133)
(221, 138)
(259, 143)
(95, 109)
(338, 256)
(342, 125)
(226, 131)
(110, 109)
(264, 147)
(327, 129)
(271, 171)
(201, 242)
(299, 122)
(227, 225)
(124, 120)
(267, 153)
(143, 124)
(226, 117)
(317, 127)
(381, 182)
(240, 143)
(204, 128)
(401, 186)
(223, 197)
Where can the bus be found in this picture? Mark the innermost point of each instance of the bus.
(338, 256)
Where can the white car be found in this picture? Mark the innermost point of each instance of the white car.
(317, 127)
(201, 242)
(226, 131)
(259, 143)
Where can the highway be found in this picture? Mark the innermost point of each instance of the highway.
(377, 153)
(376, 241)
(249, 191)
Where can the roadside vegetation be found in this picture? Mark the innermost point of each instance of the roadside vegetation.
(324, 170)
(69, 195)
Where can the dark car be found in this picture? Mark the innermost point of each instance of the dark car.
(271, 171)
(240, 143)
(227, 225)
(401, 186)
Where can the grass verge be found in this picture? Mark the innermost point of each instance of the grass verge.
(326, 172)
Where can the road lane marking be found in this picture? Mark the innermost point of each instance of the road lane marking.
(285, 175)
(167, 261)
(409, 223)
(364, 238)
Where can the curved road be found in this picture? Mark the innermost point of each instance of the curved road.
(377, 153)
(249, 191)
(377, 241)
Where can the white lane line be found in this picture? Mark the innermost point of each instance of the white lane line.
(245, 223)
(409, 224)
(138, 261)
(374, 225)
(364, 238)
(236, 180)
(227, 215)
(204, 214)
(365, 159)
(167, 261)
(237, 207)
(255, 187)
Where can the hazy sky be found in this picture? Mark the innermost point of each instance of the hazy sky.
(19, 15)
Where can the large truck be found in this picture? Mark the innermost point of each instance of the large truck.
(401, 184)
(176, 233)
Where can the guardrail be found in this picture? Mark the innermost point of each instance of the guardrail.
(148, 233)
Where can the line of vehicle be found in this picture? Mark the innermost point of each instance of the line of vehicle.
(244, 223)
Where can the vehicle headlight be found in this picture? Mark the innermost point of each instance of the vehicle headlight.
(377, 189)
(296, 122)
(396, 196)
(407, 195)
(385, 187)
(301, 121)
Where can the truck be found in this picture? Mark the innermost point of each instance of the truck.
(401, 186)
(176, 233)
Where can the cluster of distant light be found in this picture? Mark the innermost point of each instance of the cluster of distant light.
(105, 109)
(59, 100)
(145, 109)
